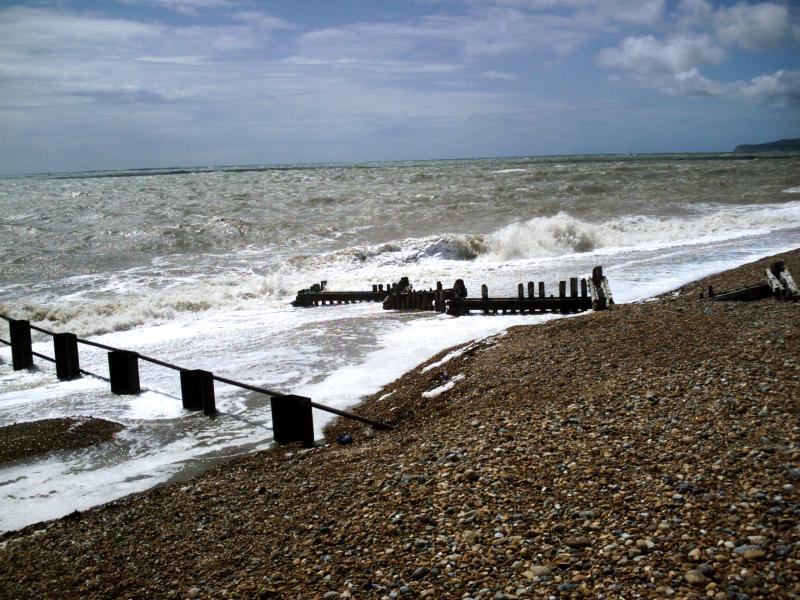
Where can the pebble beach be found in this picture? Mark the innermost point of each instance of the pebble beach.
(649, 451)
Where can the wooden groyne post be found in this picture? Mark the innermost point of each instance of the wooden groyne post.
(197, 391)
(292, 420)
(600, 290)
(65, 349)
(123, 370)
(21, 349)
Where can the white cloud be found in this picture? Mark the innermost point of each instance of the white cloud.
(754, 27)
(483, 33)
(671, 66)
(648, 56)
(599, 12)
(187, 7)
(781, 88)
(694, 13)
(262, 20)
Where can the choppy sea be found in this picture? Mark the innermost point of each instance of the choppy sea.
(198, 267)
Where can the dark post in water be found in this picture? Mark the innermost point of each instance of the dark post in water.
(123, 368)
(197, 391)
(65, 348)
(21, 351)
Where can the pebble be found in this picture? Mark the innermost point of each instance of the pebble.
(578, 542)
(695, 577)
(469, 536)
(471, 475)
(420, 573)
(540, 570)
(578, 503)
(750, 552)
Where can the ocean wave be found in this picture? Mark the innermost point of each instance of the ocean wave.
(121, 311)
(792, 190)
(413, 250)
(562, 233)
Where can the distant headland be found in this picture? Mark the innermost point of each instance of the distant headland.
(792, 145)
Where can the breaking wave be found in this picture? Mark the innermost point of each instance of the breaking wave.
(564, 234)
(120, 312)
(413, 250)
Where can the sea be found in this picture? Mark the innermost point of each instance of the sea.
(198, 267)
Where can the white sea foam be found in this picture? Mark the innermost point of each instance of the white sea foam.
(792, 190)
(125, 304)
(446, 359)
(446, 387)
(563, 234)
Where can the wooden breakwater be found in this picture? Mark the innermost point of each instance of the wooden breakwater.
(292, 417)
(778, 284)
(584, 294)
(431, 299)
(317, 295)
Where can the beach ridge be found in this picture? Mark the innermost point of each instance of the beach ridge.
(647, 451)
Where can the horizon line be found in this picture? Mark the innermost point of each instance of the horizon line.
(244, 168)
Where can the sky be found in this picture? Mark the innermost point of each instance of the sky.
(121, 84)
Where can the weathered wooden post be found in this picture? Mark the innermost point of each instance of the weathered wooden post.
(573, 287)
(520, 291)
(541, 289)
(197, 391)
(597, 275)
(65, 348)
(485, 296)
(584, 290)
(599, 301)
(123, 369)
(438, 298)
(530, 289)
(292, 420)
(21, 349)
(374, 287)
(380, 287)
(562, 289)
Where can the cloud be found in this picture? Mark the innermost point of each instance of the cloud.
(187, 7)
(262, 20)
(694, 13)
(481, 34)
(673, 65)
(754, 27)
(647, 56)
(599, 12)
(781, 88)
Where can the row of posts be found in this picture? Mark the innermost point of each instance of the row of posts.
(562, 289)
(292, 418)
